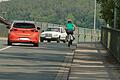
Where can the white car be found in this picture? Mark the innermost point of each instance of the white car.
(54, 34)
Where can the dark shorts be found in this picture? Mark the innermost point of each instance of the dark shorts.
(69, 32)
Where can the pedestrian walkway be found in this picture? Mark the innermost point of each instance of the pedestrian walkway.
(90, 62)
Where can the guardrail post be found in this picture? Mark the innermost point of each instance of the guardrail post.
(78, 35)
(84, 35)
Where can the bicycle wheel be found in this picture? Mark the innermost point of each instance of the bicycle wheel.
(70, 37)
(68, 43)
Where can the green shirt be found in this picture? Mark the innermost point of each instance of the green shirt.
(69, 26)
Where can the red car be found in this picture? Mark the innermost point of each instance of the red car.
(23, 32)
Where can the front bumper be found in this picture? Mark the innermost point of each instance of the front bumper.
(49, 38)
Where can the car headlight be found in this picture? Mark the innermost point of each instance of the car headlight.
(42, 35)
(55, 35)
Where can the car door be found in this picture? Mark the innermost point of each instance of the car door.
(63, 33)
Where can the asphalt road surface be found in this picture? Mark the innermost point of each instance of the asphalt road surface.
(49, 61)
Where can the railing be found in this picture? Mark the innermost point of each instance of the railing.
(110, 38)
(88, 35)
(45, 25)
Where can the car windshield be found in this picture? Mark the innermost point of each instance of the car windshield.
(24, 25)
(54, 29)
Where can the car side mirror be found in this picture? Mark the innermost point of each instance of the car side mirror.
(38, 28)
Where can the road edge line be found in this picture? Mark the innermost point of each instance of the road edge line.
(5, 48)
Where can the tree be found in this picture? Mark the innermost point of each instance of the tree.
(52, 11)
(107, 11)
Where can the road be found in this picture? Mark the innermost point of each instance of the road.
(49, 61)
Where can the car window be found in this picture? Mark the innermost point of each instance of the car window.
(54, 29)
(24, 25)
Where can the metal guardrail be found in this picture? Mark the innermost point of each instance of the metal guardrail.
(88, 35)
(110, 38)
(45, 25)
(4, 21)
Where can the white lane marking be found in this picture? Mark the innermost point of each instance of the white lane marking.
(5, 48)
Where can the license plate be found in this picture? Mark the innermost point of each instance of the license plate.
(24, 38)
(48, 37)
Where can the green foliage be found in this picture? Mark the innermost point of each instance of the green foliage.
(53, 11)
(107, 11)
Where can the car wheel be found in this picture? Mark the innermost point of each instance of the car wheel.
(48, 40)
(65, 40)
(58, 40)
(9, 43)
(36, 44)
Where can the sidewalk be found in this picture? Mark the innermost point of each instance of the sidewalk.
(90, 62)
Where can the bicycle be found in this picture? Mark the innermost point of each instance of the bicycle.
(70, 39)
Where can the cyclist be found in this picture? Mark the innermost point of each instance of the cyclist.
(70, 27)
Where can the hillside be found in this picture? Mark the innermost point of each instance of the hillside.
(53, 11)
